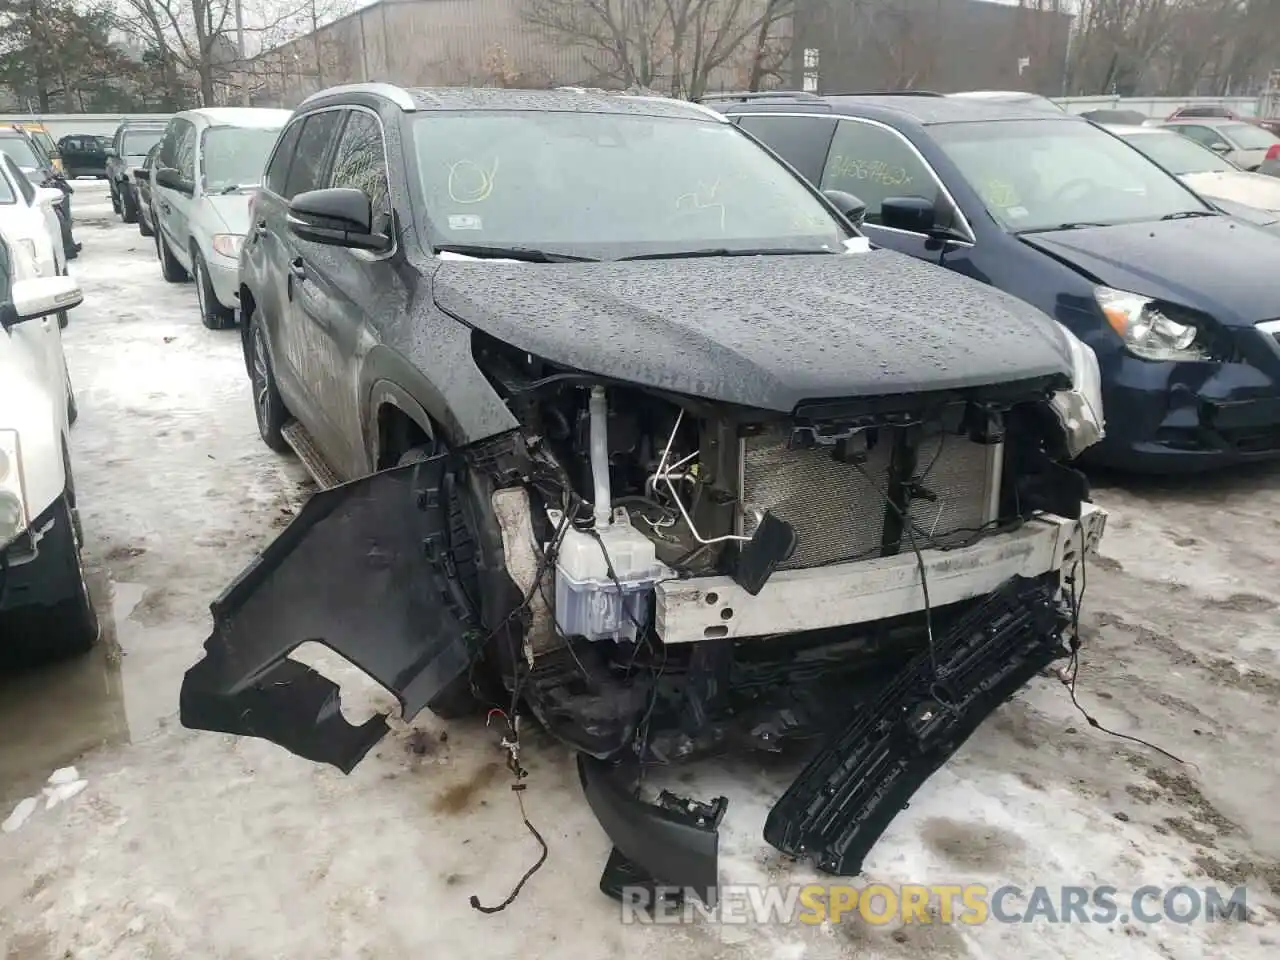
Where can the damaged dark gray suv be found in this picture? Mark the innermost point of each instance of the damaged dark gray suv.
(623, 427)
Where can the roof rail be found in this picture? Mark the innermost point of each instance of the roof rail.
(691, 104)
(748, 95)
(890, 93)
(397, 95)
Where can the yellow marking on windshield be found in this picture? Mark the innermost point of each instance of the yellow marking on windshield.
(476, 192)
(702, 198)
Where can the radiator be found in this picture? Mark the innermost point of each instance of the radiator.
(838, 509)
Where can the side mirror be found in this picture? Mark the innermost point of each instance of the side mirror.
(853, 208)
(173, 180)
(111, 151)
(141, 173)
(1220, 147)
(39, 297)
(337, 217)
(913, 214)
(49, 195)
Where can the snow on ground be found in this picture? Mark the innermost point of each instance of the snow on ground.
(168, 843)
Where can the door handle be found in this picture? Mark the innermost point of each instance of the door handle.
(298, 269)
(260, 228)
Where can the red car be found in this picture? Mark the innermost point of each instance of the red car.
(1271, 124)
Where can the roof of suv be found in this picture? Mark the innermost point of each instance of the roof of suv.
(563, 99)
(924, 109)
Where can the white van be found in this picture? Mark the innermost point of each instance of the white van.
(45, 610)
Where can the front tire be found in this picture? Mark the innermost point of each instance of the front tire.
(68, 627)
(128, 205)
(143, 228)
(115, 195)
(212, 313)
(268, 407)
(170, 268)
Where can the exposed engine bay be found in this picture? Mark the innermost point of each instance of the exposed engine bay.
(655, 577)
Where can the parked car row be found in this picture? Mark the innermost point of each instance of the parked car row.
(1175, 297)
(41, 170)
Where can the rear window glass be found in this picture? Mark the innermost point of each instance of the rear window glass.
(21, 152)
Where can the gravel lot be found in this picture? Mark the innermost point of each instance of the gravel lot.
(188, 844)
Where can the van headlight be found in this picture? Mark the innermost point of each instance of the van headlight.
(1146, 327)
(13, 511)
(1079, 409)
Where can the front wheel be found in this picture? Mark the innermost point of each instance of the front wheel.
(128, 205)
(212, 313)
(268, 407)
(143, 227)
(67, 626)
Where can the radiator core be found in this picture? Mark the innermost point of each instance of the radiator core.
(838, 509)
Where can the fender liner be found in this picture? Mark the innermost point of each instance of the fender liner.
(361, 569)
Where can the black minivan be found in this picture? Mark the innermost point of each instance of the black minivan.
(1180, 302)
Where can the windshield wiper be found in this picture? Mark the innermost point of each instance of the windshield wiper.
(1188, 214)
(1073, 225)
(725, 252)
(524, 254)
(233, 188)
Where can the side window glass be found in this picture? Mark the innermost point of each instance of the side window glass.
(278, 170)
(801, 141)
(4, 270)
(24, 185)
(187, 152)
(874, 164)
(168, 145)
(308, 165)
(360, 162)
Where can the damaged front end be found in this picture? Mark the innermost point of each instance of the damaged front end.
(661, 577)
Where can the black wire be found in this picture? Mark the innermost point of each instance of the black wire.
(1077, 601)
(475, 901)
(924, 580)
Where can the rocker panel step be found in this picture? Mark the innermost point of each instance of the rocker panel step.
(295, 434)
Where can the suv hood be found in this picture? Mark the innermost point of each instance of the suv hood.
(1213, 264)
(765, 332)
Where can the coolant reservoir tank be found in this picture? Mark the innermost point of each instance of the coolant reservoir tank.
(592, 603)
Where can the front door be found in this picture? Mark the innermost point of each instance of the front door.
(307, 321)
(875, 163)
(344, 286)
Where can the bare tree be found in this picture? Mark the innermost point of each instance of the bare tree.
(198, 36)
(674, 45)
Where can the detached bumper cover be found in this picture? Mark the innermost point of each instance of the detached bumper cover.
(353, 572)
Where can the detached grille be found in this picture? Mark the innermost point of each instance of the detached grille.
(838, 509)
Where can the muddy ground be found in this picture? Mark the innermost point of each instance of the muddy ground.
(186, 844)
